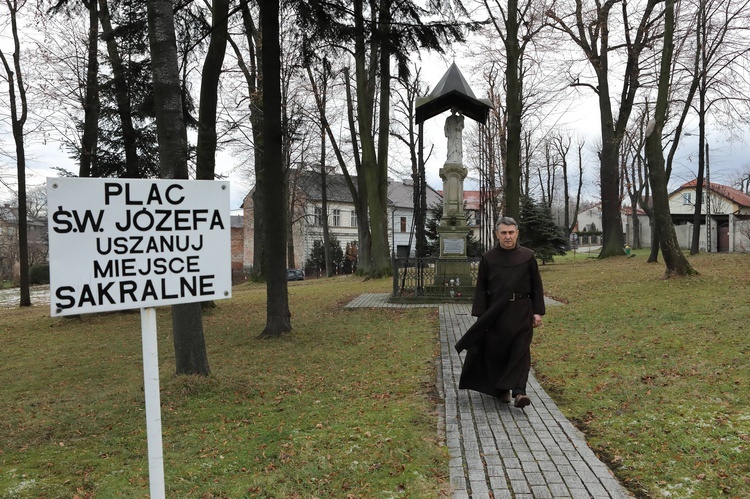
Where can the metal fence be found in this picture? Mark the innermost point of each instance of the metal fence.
(434, 277)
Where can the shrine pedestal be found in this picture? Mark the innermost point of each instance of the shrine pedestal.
(453, 271)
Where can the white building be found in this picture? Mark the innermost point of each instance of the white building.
(591, 220)
(401, 212)
(307, 219)
(726, 209)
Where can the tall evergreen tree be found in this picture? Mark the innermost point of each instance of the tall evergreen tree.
(321, 260)
(126, 145)
(538, 231)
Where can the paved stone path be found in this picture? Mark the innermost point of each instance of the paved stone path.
(499, 451)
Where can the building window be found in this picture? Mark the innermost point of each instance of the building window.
(336, 218)
(353, 219)
(686, 198)
(318, 216)
(403, 224)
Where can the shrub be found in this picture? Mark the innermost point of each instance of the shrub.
(39, 274)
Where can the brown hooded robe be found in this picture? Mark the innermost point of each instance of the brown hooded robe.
(498, 356)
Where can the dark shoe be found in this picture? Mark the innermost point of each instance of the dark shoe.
(504, 396)
(521, 401)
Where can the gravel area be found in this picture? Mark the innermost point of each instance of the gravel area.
(9, 298)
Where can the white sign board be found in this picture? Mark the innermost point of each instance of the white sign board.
(117, 244)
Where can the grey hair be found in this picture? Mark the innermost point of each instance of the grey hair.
(505, 221)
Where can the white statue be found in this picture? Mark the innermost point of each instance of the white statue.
(454, 125)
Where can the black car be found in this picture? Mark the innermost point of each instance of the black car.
(295, 275)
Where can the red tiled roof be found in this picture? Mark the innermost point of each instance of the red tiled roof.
(730, 193)
(471, 200)
(627, 210)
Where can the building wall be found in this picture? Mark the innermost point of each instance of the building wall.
(307, 230)
(644, 230)
(722, 212)
(590, 216)
(238, 248)
(594, 216)
(248, 235)
(741, 230)
(682, 202)
(400, 234)
(739, 234)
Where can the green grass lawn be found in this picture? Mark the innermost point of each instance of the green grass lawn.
(655, 372)
(343, 405)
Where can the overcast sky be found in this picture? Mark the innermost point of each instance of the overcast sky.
(726, 158)
(579, 113)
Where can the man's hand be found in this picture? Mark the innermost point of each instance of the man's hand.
(537, 320)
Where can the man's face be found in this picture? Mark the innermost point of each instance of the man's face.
(507, 235)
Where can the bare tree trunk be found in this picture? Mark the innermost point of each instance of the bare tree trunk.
(324, 172)
(612, 241)
(595, 43)
(574, 219)
(324, 209)
(412, 139)
(15, 81)
(187, 323)
(205, 160)
(701, 57)
(275, 213)
(653, 256)
(252, 70)
(372, 166)
(359, 194)
(91, 106)
(422, 204)
(675, 261)
(207, 138)
(566, 197)
(514, 106)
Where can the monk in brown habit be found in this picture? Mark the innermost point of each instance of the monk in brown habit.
(509, 304)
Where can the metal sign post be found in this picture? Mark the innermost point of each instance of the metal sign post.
(153, 402)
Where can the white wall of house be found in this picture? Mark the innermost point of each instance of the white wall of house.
(682, 202)
(342, 224)
(400, 227)
(587, 219)
(684, 232)
(594, 216)
(644, 230)
(737, 226)
(591, 216)
(739, 234)
(726, 215)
